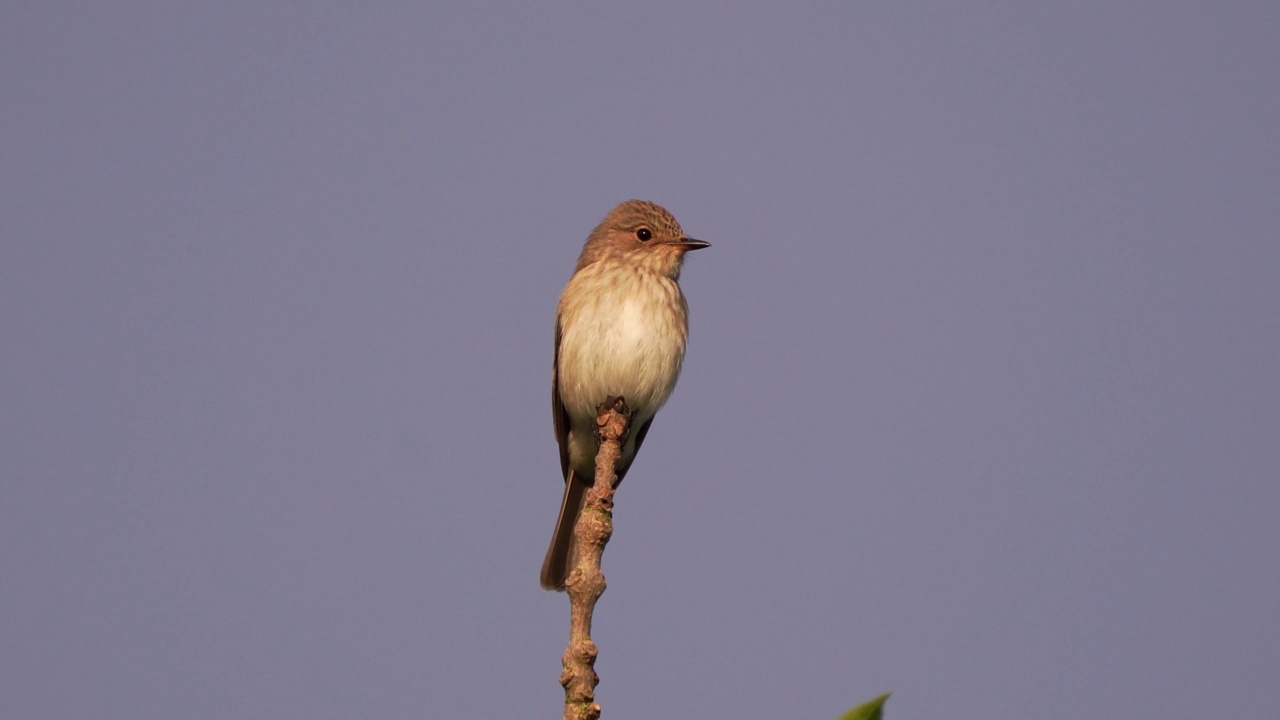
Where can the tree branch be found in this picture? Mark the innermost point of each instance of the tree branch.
(586, 582)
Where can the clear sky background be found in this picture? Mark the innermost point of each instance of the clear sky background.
(981, 404)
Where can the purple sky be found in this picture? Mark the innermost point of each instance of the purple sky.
(981, 404)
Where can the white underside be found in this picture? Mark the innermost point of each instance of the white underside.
(629, 342)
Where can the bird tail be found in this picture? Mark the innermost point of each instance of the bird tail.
(555, 569)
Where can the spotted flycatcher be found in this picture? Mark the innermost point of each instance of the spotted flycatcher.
(621, 329)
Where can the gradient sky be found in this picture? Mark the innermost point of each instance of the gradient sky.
(981, 404)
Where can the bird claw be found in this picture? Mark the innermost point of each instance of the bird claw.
(605, 409)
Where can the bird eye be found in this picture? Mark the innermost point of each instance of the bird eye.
(644, 234)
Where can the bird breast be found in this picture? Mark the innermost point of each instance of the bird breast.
(622, 333)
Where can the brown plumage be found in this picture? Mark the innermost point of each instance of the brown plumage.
(621, 329)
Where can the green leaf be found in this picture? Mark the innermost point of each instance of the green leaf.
(868, 710)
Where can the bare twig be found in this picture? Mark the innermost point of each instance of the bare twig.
(586, 582)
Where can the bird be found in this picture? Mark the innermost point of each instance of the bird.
(621, 330)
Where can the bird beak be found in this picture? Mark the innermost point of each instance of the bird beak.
(687, 244)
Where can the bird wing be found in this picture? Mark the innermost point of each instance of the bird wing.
(625, 464)
(558, 413)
